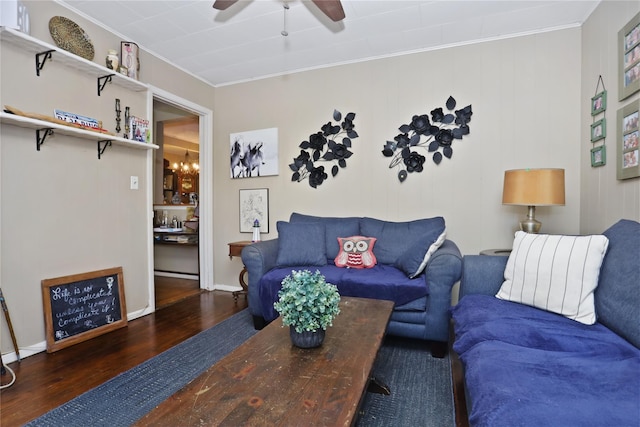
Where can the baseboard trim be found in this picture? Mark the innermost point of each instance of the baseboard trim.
(176, 275)
(25, 352)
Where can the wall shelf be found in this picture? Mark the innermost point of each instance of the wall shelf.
(44, 129)
(44, 51)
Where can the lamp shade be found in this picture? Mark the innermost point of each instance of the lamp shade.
(533, 187)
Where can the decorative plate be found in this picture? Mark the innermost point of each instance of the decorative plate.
(69, 36)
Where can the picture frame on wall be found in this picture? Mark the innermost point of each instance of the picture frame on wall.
(254, 205)
(598, 156)
(599, 103)
(598, 130)
(629, 58)
(254, 153)
(628, 158)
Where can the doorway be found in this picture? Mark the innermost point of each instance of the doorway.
(176, 197)
(205, 186)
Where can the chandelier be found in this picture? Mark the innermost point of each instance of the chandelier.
(186, 167)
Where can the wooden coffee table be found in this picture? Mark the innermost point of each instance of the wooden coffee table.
(269, 382)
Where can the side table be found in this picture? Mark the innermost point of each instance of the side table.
(235, 249)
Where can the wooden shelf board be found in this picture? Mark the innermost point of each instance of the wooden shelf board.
(33, 45)
(29, 123)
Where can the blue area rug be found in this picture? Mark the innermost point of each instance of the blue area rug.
(421, 388)
(420, 385)
(128, 397)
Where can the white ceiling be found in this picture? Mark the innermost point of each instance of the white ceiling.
(244, 42)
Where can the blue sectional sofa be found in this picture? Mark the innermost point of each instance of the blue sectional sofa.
(530, 365)
(416, 268)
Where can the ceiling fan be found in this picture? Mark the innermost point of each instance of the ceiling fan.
(331, 8)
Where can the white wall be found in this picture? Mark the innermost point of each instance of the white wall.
(604, 199)
(526, 99)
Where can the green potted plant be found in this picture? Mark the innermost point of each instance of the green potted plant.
(308, 305)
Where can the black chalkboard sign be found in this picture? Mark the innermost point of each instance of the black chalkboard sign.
(82, 306)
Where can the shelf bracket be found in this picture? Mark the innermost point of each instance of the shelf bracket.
(102, 145)
(41, 137)
(102, 82)
(41, 58)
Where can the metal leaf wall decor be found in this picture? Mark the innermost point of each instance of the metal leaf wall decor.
(438, 133)
(322, 147)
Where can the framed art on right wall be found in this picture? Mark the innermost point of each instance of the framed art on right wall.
(598, 156)
(628, 163)
(629, 58)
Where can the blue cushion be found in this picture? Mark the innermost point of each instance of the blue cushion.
(301, 244)
(380, 282)
(618, 293)
(334, 227)
(403, 244)
(414, 260)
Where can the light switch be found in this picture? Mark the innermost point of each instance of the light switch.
(134, 182)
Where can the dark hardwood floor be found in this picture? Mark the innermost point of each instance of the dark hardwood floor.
(170, 290)
(45, 381)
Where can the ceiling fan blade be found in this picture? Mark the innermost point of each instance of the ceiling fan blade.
(223, 4)
(331, 8)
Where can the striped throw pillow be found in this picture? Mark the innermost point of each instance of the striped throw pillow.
(555, 273)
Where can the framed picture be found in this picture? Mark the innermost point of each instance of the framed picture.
(599, 130)
(254, 153)
(629, 58)
(599, 103)
(598, 156)
(628, 164)
(254, 205)
(130, 59)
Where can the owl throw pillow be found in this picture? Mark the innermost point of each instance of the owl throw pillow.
(356, 252)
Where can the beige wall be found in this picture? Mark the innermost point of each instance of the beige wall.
(63, 211)
(604, 199)
(526, 99)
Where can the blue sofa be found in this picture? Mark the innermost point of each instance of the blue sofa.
(416, 268)
(528, 366)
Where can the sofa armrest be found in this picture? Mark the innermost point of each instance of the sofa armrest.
(444, 267)
(482, 274)
(443, 270)
(258, 258)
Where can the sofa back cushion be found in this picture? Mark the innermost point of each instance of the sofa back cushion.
(405, 244)
(618, 293)
(301, 244)
(334, 227)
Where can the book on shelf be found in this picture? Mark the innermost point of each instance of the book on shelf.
(139, 129)
(77, 119)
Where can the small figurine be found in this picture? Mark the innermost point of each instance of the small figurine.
(256, 231)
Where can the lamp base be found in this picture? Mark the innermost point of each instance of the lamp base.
(530, 224)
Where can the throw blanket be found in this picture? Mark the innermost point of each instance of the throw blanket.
(380, 282)
(528, 367)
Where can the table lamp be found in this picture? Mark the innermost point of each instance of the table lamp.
(533, 187)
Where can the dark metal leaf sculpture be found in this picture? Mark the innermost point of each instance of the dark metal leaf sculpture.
(322, 147)
(434, 133)
(451, 103)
